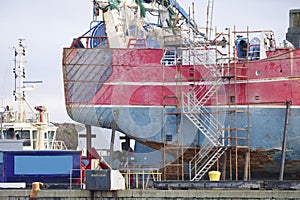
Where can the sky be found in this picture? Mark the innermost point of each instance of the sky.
(48, 26)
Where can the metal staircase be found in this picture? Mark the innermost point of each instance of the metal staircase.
(201, 91)
(212, 148)
(206, 163)
(193, 108)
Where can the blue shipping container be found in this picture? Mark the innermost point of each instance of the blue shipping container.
(48, 166)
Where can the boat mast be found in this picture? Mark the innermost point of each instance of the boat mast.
(19, 77)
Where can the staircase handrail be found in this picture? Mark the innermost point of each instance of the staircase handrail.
(209, 161)
(200, 155)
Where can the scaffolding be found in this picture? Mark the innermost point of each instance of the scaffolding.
(173, 163)
(230, 140)
(236, 74)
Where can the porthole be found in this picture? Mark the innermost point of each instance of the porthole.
(257, 72)
(232, 99)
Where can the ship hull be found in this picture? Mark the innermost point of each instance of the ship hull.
(143, 97)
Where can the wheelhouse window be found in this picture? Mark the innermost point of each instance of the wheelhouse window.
(10, 133)
(51, 135)
(25, 136)
(34, 134)
(48, 137)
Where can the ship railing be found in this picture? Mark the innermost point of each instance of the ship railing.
(198, 56)
(202, 50)
(90, 42)
(137, 43)
(172, 58)
(254, 51)
(202, 54)
(76, 180)
(169, 58)
(195, 49)
(59, 145)
(140, 178)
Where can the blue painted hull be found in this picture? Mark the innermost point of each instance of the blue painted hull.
(148, 123)
(266, 134)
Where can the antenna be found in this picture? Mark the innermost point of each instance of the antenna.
(20, 84)
(19, 72)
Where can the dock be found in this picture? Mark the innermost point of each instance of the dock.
(152, 194)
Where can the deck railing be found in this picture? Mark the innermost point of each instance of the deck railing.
(140, 177)
(90, 42)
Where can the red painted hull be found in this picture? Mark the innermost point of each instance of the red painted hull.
(139, 78)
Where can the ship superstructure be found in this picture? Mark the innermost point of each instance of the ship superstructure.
(33, 128)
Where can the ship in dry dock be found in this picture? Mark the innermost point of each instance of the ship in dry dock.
(191, 102)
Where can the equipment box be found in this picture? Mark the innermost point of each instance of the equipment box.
(104, 180)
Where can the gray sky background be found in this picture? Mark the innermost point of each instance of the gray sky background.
(48, 26)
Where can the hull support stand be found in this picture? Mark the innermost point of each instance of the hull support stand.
(88, 139)
(283, 150)
(112, 143)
